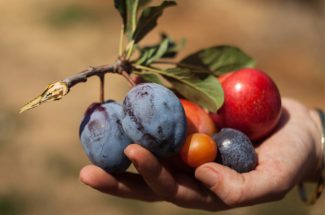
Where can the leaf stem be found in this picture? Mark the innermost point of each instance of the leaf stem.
(134, 16)
(150, 69)
(154, 70)
(121, 42)
(185, 65)
(130, 49)
(164, 62)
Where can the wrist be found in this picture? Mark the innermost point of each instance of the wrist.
(318, 175)
(318, 134)
(313, 167)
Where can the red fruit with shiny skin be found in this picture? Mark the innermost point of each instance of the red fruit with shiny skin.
(252, 103)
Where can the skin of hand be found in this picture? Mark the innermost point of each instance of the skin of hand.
(293, 153)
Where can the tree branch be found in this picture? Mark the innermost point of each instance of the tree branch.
(59, 89)
(91, 71)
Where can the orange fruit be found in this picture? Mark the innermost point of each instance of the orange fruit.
(199, 148)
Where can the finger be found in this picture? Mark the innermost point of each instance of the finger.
(157, 177)
(127, 185)
(234, 189)
(180, 189)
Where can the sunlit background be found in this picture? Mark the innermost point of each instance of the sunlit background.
(45, 41)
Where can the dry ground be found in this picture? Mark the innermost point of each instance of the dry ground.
(44, 41)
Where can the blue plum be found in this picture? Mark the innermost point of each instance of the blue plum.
(235, 150)
(103, 138)
(154, 118)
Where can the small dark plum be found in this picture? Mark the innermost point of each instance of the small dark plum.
(154, 118)
(235, 150)
(103, 138)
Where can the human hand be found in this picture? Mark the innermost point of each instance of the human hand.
(292, 154)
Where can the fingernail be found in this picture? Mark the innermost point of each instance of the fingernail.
(128, 151)
(135, 164)
(133, 160)
(207, 175)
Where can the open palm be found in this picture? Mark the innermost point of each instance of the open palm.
(290, 155)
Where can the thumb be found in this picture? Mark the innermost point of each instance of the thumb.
(224, 182)
(263, 184)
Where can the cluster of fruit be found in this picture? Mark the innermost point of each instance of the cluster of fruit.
(150, 115)
(156, 118)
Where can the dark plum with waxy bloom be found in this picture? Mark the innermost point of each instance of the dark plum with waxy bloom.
(235, 150)
(103, 138)
(154, 118)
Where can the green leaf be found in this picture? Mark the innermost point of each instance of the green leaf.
(166, 48)
(148, 19)
(203, 89)
(218, 60)
(128, 10)
(174, 48)
(150, 54)
(120, 5)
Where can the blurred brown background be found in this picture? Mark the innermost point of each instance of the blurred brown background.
(45, 41)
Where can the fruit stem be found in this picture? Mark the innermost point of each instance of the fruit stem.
(128, 78)
(102, 88)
